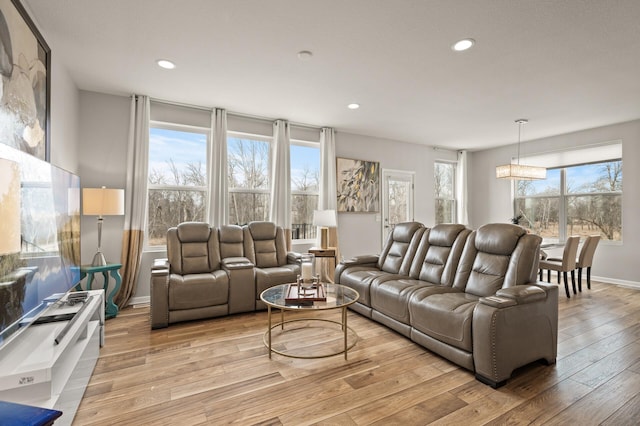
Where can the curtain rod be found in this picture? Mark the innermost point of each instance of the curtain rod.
(237, 114)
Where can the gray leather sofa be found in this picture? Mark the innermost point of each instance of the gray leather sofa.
(469, 296)
(211, 272)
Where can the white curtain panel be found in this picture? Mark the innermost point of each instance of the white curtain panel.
(328, 190)
(461, 188)
(137, 164)
(281, 176)
(135, 197)
(219, 202)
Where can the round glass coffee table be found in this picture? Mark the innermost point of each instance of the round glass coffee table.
(337, 297)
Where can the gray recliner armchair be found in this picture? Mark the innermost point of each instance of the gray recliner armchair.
(265, 247)
(191, 283)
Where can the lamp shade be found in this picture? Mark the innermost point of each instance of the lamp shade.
(9, 207)
(102, 201)
(325, 218)
(520, 172)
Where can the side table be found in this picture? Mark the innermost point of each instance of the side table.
(113, 269)
(326, 274)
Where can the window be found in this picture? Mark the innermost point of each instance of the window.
(305, 187)
(578, 200)
(248, 173)
(445, 194)
(177, 178)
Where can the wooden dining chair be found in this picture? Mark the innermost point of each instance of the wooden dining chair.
(565, 265)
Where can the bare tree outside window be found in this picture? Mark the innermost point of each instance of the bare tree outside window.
(305, 187)
(590, 200)
(177, 179)
(248, 179)
(444, 189)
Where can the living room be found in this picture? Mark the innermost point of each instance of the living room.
(569, 68)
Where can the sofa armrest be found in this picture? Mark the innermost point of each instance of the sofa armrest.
(234, 263)
(361, 260)
(159, 311)
(522, 294)
(516, 326)
(160, 264)
(293, 257)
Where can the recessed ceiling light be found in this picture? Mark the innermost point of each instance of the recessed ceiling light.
(463, 44)
(163, 63)
(304, 55)
(353, 106)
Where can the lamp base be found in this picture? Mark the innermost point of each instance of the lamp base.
(99, 260)
(324, 237)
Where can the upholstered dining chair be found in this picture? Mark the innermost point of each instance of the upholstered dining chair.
(565, 265)
(585, 259)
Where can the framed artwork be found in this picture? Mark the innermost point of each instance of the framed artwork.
(25, 82)
(358, 185)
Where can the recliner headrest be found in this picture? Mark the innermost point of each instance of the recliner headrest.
(498, 238)
(231, 234)
(193, 232)
(445, 234)
(403, 232)
(262, 230)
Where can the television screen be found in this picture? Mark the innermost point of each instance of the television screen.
(40, 260)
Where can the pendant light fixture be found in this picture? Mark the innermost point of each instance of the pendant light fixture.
(519, 171)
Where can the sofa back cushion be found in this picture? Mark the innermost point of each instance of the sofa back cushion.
(496, 256)
(264, 244)
(231, 241)
(438, 254)
(192, 248)
(400, 248)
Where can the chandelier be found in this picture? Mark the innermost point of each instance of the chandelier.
(519, 171)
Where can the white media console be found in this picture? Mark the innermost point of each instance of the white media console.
(35, 370)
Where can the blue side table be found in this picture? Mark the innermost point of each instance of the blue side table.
(12, 414)
(113, 269)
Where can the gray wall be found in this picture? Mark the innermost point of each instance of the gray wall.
(103, 129)
(361, 233)
(490, 198)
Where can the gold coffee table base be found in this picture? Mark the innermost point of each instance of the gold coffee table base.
(267, 337)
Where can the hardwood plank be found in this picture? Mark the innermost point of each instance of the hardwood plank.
(217, 371)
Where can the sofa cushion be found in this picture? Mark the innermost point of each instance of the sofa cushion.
(400, 248)
(268, 277)
(360, 278)
(193, 248)
(392, 297)
(231, 241)
(446, 317)
(198, 290)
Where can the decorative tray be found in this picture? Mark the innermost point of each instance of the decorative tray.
(305, 293)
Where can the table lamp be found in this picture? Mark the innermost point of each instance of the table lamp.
(325, 219)
(102, 202)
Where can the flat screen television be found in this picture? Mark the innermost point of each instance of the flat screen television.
(40, 261)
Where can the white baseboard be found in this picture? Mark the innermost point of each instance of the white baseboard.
(606, 280)
(143, 300)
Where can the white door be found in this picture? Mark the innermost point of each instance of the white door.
(397, 199)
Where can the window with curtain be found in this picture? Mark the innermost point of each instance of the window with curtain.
(177, 190)
(305, 187)
(248, 159)
(445, 191)
(584, 199)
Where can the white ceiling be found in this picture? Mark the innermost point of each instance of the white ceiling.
(565, 65)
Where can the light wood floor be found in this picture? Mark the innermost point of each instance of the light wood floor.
(218, 372)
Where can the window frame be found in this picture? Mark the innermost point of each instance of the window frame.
(186, 128)
(454, 198)
(308, 144)
(563, 197)
(256, 137)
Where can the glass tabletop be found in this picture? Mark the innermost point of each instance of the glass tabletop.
(337, 297)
